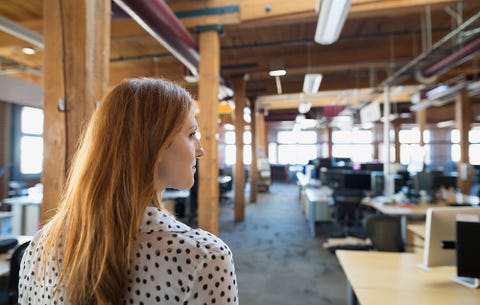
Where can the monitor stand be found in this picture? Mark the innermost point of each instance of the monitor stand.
(424, 267)
(470, 282)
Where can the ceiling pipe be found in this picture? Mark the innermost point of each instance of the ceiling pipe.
(467, 51)
(159, 21)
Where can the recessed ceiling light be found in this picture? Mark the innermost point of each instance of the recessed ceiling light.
(28, 51)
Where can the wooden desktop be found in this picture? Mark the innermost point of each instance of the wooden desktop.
(378, 278)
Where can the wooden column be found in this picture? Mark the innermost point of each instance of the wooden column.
(330, 142)
(76, 65)
(239, 89)
(396, 130)
(463, 118)
(208, 194)
(421, 117)
(261, 134)
(5, 110)
(253, 166)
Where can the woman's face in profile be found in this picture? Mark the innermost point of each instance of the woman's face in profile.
(176, 165)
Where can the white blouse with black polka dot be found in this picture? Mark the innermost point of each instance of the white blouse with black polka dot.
(173, 264)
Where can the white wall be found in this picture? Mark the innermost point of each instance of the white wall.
(18, 91)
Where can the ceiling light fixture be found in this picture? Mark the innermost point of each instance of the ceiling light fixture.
(304, 106)
(445, 124)
(277, 74)
(28, 51)
(331, 17)
(311, 83)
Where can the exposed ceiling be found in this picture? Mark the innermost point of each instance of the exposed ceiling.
(378, 39)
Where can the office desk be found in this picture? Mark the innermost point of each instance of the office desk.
(417, 236)
(378, 278)
(316, 207)
(26, 214)
(403, 211)
(417, 229)
(5, 257)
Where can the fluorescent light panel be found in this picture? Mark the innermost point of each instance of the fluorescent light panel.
(331, 18)
(445, 124)
(277, 73)
(311, 83)
(304, 107)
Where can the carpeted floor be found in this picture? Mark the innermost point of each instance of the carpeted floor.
(277, 260)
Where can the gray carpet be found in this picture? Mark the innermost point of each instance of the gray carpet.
(277, 260)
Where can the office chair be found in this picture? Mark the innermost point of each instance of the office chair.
(347, 208)
(10, 296)
(385, 233)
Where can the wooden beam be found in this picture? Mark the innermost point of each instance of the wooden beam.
(421, 118)
(81, 39)
(463, 118)
(363, 8)
(239, 98)
(262, 9)
(261, 134)
(330, 142)
(54, 151)
(86, 29)
(253, 167)
(396, 130)
(120, 70)
(249, 9)
(5, 120)
(209, 69)
(331, 98)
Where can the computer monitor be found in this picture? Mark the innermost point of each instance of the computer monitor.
(374, 167)
(378, 183)
(445, 181)
(359, 181)
(468, 252)
(440, 226)
(423, 181)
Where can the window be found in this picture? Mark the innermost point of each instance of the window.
(411, 152)
(473, 148)
(28, 133)
(230, 149)
(293, 147)
(356, 144)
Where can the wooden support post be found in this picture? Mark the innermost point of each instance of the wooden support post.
(396, 130)
(239, 89)
(5, 110)
(76, 65)
(253, 166)
(261, 134)
(209, 69)
(421, 117)
(330, 142)
(463, 118)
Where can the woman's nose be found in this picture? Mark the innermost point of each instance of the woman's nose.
(199, 152)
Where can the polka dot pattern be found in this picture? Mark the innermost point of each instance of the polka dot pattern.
(172, 264)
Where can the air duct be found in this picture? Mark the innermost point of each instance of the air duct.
(159, 21)
(467, 51)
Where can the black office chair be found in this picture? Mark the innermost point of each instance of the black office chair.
(10, 296)
(347, 209)
(385, 233)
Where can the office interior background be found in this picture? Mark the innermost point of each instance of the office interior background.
(391, 82)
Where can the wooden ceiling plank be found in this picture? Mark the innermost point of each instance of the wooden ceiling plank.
(222, 19)
(370, 8)
(262, 9)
